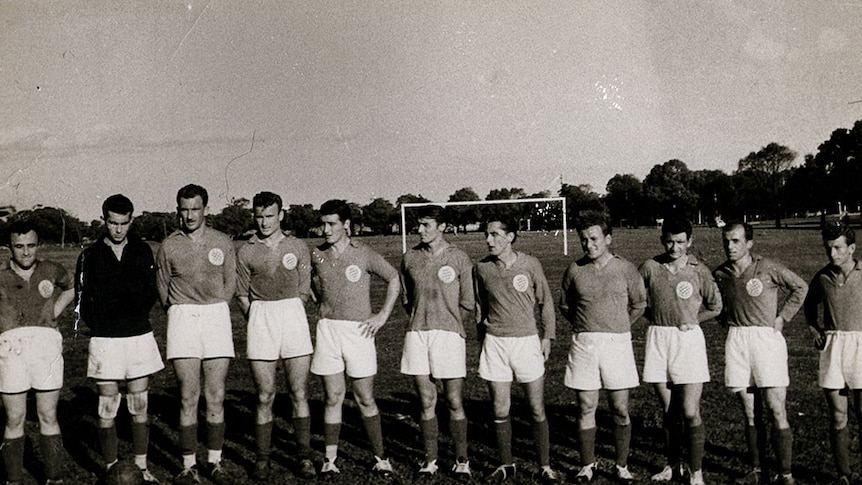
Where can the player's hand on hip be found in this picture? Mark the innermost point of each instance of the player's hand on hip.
(685, 327)
(372, 325)
(779, 324)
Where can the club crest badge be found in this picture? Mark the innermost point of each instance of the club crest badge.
(289, 261)
(521, 283)
(46, 288)
(446, 274)
(754, 287)
(353, 273)
(684, 290)
(216, 257)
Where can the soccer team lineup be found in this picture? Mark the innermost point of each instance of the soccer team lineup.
(677, 367)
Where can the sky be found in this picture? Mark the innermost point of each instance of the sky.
(364, 99)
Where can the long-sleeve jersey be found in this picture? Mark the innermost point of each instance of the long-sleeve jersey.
(602, 299)
(274, 273)
(115, 296)
(196, 272)
(751, 299)
(842, 302)
(675, 299)
(342, 282)
(30, 303)
(507, 297)
(437, 287)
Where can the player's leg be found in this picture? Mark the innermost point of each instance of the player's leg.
(109, 405)
(264, 373)
(427, 391)
(363, 389)
(619, 403)
(535, 391)
(15, 406)
(334, 390)
(501, 397)
(857, 409)
(137, 402)
(188, 372)
(671, 424)
(588, 403)
(296, 369)
(694, 430)
(782, 437)
(839, 435)
(214, 377)
(50, 440)
(454, 389)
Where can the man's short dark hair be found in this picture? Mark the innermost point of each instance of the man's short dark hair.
(746, 227)
(435, 212)
(118, 204)
(509, 224)
(191, 191)
(338, 207)
(590, 219)
(676, 225)
(833, 231)
(22, 226)
(266, 199)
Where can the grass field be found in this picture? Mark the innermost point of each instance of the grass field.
(725, 448)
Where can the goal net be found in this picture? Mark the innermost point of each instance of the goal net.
(534, 214)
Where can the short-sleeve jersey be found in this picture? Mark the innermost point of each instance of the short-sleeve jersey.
(599, 299)
(436, 287)
(751, 299)
(199, 272)
(842, 303)
(274, 273)
(343, 281)
(675, 299)
(508, 297)
(30, 303)
(115, 296)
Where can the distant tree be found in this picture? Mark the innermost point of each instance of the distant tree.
(840, 157)
(54, 225)
(667, 190)
(516, 211)
(580, 198)
(716, 196)
(235, 219)
(808, 189)
(301, 219)
(378, 215)
(624, 198)
(469, 214)
(358, 223)
(154, 226)
(774, 162)
(409, 216)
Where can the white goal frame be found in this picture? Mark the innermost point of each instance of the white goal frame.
(485, 202)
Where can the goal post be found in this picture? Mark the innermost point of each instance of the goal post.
(408, 205)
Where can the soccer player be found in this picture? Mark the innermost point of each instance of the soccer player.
(838, 288)
(341, 278)
(33, 293)
(196, 279)
(602, 295)
(510, 286)
(115, 284)
(437, 280)
(274, 282)
(755, 351)
(681, 295)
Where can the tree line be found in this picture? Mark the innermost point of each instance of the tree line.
(767, 185)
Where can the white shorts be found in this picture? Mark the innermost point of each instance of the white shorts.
(841, 361)
(31, 358)
(116, 359)
(503, 358)
(755, 356)
(199, 332)
(341, 347)
(601, 360)
(675, 356)
(438, 353)
(277, 330)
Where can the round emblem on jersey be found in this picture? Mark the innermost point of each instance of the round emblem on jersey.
(216, 256)
(684, 290)
(446, 274)
(289, 261)
(521, 282)
(754, 287)
(353, 273)
(46, 288)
